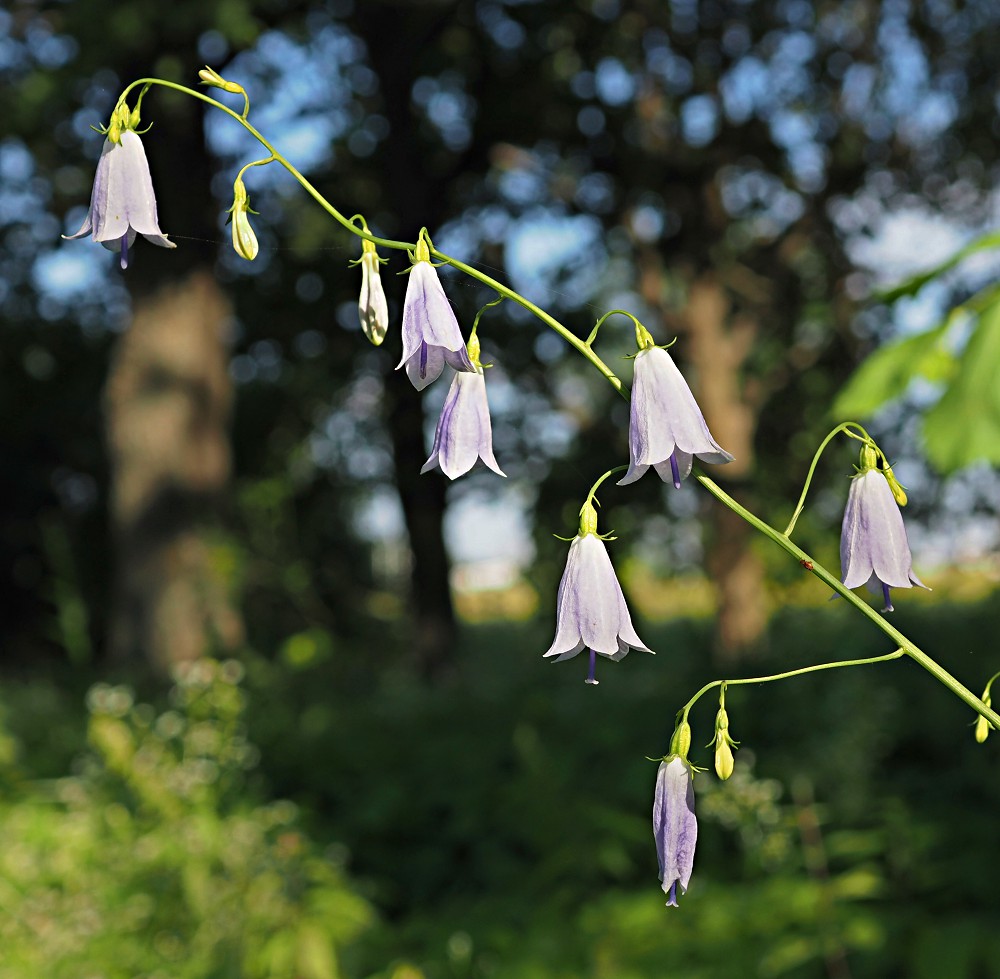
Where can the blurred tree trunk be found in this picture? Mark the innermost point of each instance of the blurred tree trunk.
(168, 400)
(717, 347)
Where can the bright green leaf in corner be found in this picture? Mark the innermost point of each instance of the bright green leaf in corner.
(886, 373)
(964, 426)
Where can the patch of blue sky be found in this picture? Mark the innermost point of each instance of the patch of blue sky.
(905, 242)
(615, 84)
(548, 251)
(303, 112)
(68, 273)
(700, 120)
(745, 89)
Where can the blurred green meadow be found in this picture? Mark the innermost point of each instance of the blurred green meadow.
(326, 814)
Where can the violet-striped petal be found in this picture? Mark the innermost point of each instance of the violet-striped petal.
(431, 335)
(675, 826)
(122, 202)
(464, 433)
(590, 609)
(665, 419)
(873, 545)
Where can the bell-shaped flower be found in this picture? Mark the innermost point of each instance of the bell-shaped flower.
(464, 433)
(666, 426)
(122, 203)
(675, 826)
(372, 308)
(590, 609)
(431, 335)
(873, 546)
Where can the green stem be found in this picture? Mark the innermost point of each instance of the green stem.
(546, 318)
(843, 427)
(308, 187)
(784, 676)
(600, 323)
(583, 348)
(810, 563)
(594, 488)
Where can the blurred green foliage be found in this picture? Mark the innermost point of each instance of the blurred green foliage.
(962, 426)
(499, 826)
(153, 860)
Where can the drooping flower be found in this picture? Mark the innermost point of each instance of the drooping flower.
(244, 239)
(122, 203)
(431, 335)
(372, 308)
(591, 610)
(873, 546)
(464, 433)
(666, 426)
(675, 826)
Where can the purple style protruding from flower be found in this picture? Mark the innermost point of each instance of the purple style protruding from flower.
(591, 610)
(873, 546)
(122, 203)
(463, 433)
(666, 426)
(675, 827)
(431, 335)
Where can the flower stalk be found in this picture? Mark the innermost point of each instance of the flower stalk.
(585, 349)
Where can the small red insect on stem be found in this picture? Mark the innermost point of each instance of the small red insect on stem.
(808, 565)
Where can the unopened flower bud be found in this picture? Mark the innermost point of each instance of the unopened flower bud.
(373, 310)
(724, 745)
(898, 492)
(209, 76)
(724, 761)
(982, 725)
(244, 239)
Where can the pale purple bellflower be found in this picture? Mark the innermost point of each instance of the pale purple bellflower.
(873, 546)
(431, 335)
(122, 203)
(591, 612)
(666, 427)
(675, 827)
(464, 433)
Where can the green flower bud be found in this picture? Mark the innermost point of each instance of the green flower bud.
(724, 761)
(244, 239)
(982, 725)
(209, 76)
(898, 492)
(724, 745)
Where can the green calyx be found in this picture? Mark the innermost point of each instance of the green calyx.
(588, 519)
(869, 458)
(680, 743)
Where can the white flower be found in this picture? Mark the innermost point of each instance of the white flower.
(666, 426)
(122, 203)
(873, 546)
(431, 335)
(464, 433)
(591, 610)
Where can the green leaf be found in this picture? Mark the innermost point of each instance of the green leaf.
(964, 426)
(913, 285)
(886, 373)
